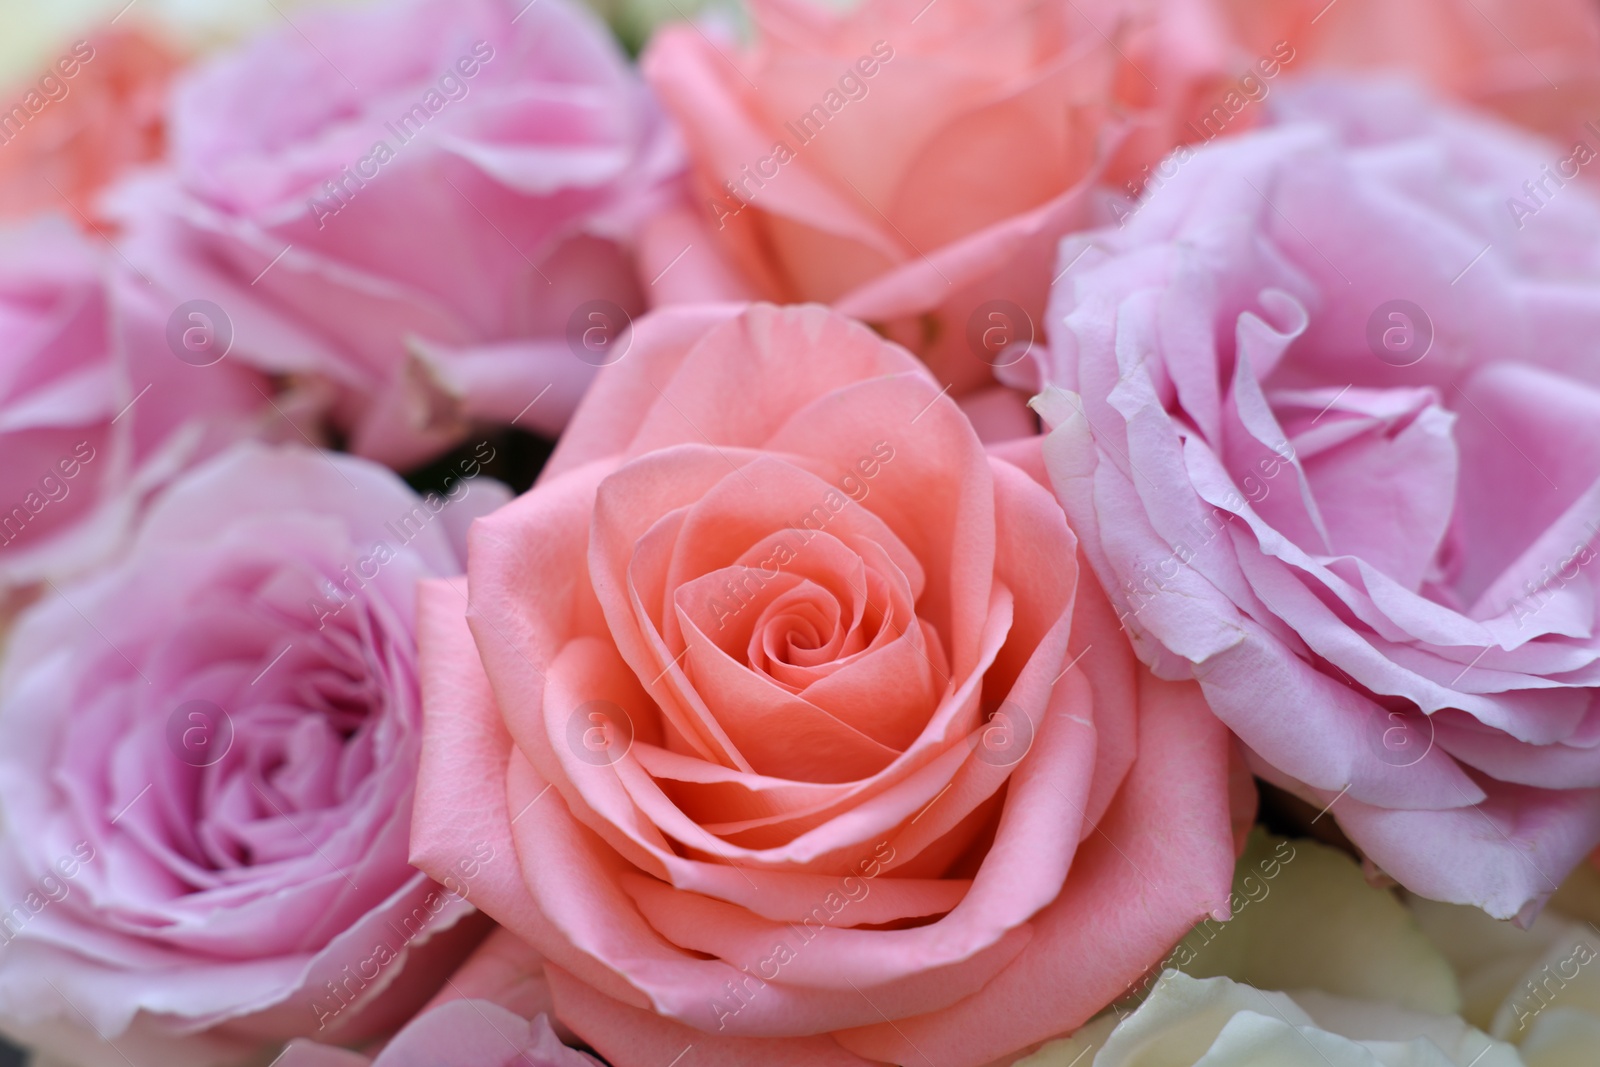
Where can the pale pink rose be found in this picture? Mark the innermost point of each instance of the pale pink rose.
(491, 1013)
(96, 409)
(809, 744)
(911, 162)
(1326, 413)
(462, 1033)
(207, 759)
(1535, 63)
(411, 201)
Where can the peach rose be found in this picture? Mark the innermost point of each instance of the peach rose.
(913, 163)
(91, 113)
(842, 760)
(1537, 64)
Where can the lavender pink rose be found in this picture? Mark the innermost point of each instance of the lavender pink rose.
(1325, 412)
(96, 411)
(207, 757)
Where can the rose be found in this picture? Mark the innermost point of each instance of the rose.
(95, 409)
(207, 756)
(1537, 64)
(788, 703)
(1357, 978)
(1537, 988)
(491, 1013)
(464, 1033)
(425, 243)
(857, 158)
(1310, 408)
(92, 112)
(1216, 1021)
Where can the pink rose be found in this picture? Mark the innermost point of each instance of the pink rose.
(96, 409)
(491, 1013)
(1326, 413)
(462, 1033)
(207, 759)
(841, 759)
(421, 203)
(914, 163)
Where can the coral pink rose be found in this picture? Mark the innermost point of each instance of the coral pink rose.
(809, 745)
(96, 409)
(1326, 414)
(428, 198)
(207, 758)
(911, 162)
(1534, 63)
(93, 113)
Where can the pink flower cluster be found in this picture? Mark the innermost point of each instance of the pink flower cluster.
(809, 549)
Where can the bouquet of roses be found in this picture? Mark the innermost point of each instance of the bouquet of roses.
(941, 533)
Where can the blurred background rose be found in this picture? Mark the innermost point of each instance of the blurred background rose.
(411, 205)
(910, 162)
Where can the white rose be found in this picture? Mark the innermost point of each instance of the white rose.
(1216, 1022)
(1537, 988)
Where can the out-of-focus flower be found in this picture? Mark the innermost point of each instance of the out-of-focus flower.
(426, 204)
(92, 113)
(1537, 988)
(1215, 1021)
(914, 164)
(207, 757)
(1316, 967)
(97, 408)
(1304, 917)
(1537, 64)
(1326, 413)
